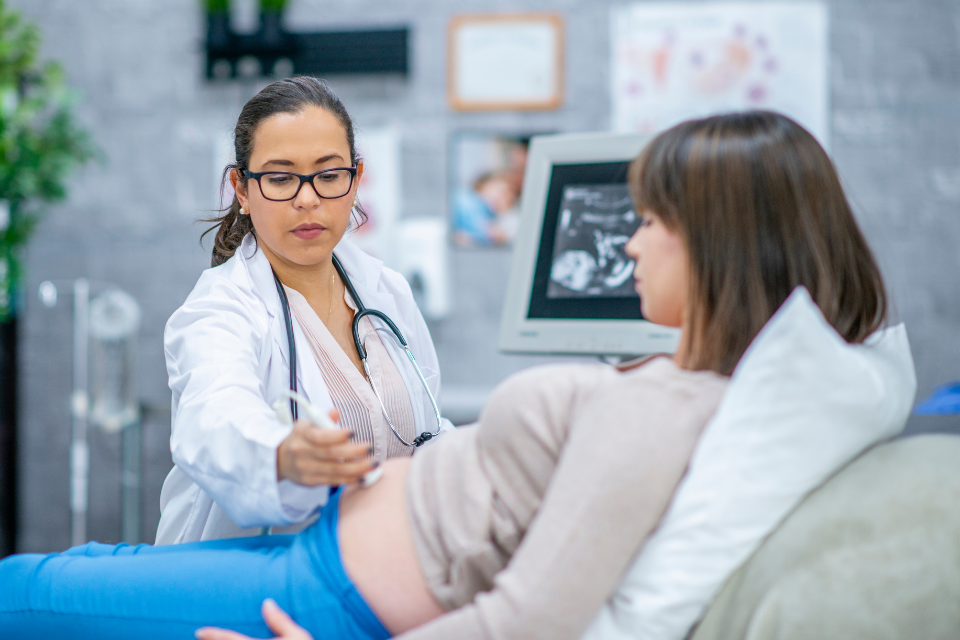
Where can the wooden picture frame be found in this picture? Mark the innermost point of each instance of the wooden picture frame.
(505, 62)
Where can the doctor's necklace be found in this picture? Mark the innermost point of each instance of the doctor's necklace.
(333, 286)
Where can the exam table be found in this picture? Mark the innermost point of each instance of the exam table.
(872, 553)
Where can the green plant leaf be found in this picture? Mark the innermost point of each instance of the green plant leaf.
(272, 6)
(41, 143)
(217, 6)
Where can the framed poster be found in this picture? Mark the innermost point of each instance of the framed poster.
(380, 191)
(505, 62)
(681, 60)
(486, 175)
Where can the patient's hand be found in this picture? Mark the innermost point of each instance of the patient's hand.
(278, 621)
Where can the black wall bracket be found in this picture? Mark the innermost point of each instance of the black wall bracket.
(274, 51)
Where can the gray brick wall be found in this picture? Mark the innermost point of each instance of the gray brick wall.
(137, 67)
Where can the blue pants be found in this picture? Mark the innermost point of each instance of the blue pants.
(104, 592)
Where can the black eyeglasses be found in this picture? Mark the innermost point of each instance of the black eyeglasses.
(281, 185)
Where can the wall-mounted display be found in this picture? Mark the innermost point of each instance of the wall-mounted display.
(672, 62)
(486, 175)
(505, 62)
(589, 248)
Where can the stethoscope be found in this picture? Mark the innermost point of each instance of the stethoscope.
(361, 313)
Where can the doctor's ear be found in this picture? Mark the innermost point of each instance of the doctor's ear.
(359, 170)
(239, 188)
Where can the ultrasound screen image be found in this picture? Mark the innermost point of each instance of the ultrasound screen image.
(593, 227)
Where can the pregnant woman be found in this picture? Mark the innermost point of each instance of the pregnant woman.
(520, 526)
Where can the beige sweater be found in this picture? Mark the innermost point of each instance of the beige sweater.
(525, 522)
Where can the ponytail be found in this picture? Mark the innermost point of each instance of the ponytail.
(231, 227)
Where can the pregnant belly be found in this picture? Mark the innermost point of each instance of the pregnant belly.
(376, 546)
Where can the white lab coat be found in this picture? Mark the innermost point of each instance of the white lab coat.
(226, 352)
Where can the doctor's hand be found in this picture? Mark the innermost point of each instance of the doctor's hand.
(278, 621)
(311, 456)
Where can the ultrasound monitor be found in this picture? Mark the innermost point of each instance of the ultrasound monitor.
(571, 281)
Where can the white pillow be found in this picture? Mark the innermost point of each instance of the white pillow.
(801, 404)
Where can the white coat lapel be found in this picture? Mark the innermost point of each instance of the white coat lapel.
(309, 378)
(365, 272)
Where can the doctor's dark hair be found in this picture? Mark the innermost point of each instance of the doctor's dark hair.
(761, 210)
(290, 95)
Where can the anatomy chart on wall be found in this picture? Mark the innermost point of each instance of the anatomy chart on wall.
(589, 257)
(672, 62)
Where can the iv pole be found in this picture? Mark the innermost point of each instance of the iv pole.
(79, 401)
(80, 409)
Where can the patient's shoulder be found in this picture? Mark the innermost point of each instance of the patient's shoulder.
(659, 373)
(659, 384)
(553, 383)
(663, 373)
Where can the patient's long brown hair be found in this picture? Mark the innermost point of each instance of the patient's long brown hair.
(761, 209)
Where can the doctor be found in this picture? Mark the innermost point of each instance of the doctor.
(238, 467)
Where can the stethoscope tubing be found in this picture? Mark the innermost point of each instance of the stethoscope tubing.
(291, 345)
(361, 313)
